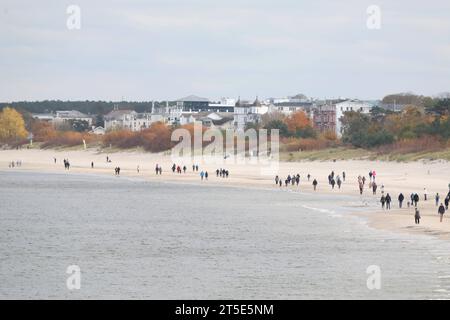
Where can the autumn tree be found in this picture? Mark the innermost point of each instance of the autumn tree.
(299, 125)
(157, 138)
(12, 125)
(43, 131)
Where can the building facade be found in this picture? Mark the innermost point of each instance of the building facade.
(324, 118)
(193, 104)
(350, 106)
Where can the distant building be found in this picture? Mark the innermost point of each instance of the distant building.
(324, 118)
(193, 104)
(128, 119)
(62, 117)
(170, 115)
(47, 117)
(289, 107)
(248, 113)
(221, 120)
(349, 106)
(224, 105)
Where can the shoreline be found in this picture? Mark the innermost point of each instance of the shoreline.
(397, 177)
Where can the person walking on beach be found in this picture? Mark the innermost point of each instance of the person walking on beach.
(388, 202)
(383, 201)
(343, 175)
(332, 183)
(276, 180)
(339, 182)
(374, 188)
(401, 197)
(441, 211)
(370, 175)
(315, 184)
(416, 200)
(156, 169)
(446, 201)
(218, 171)
(425, 194)
(202, 174)
(54, 160)
(417, 216)
(361, 187)
(309, 176)
(92, 165)
(374, 174)
(280, 183)
(437, 197)
(206, 175)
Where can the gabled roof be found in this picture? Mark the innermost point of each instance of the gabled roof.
(193, 98)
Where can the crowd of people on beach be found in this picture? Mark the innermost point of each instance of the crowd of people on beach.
(294, 180)
(222, 173)
(334, 180)
(14, 164)
(386, 199)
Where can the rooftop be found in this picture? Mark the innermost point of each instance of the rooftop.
(193, 98)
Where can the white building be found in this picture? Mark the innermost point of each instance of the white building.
(128, 119)
(348, 106)
(62, 117)
(221, 120)
(170, 115)
(224, 105)
(246, 113)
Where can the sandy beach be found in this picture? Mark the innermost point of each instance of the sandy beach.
(396, 177)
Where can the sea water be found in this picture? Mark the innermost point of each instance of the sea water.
(137, 239)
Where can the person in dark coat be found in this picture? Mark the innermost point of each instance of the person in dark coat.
(388, 202)
(441, 211)
(401, 197)
(416, 200)
(383, 201)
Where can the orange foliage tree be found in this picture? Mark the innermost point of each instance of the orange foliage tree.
(297, 120)
(156, 138)
(43, 131)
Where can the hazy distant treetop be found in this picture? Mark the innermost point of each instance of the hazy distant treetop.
(407, 98)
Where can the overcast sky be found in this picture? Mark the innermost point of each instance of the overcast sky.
(144, 50)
